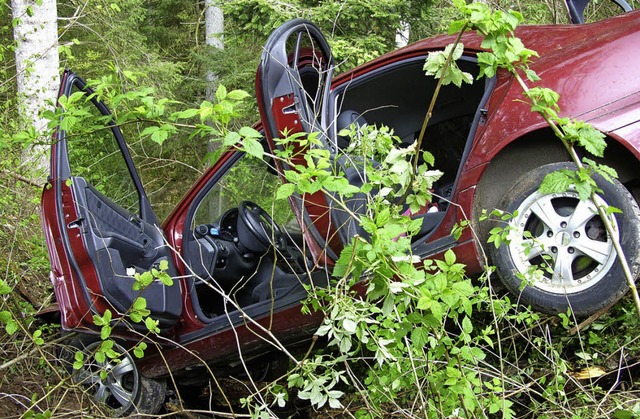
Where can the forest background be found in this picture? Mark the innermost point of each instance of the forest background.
(163, 45)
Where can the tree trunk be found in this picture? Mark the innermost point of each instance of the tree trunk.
(213, 29)
(402, 35)
(37, 70)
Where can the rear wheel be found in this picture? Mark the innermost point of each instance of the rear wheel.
(121, 387)
(565, 240)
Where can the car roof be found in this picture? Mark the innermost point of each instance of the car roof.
(547, 40)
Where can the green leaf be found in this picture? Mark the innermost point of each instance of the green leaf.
(609, 173)
(419, 336)
(152, 325)
(237, 95)
(450, 257)
(558, 181)
(285, 191)
(231, 138)
(349, 325)
(467, 326)
(159, 134)
(464, 288)
(105, 332)
(253, 147)
(139, 349)
(5, 316)
(437, 310)
(456, 26)
(79, 360)
(221, 93)
(186, 114)
(531, 75)
(592, 140)
(4, 288)
(248, 132)
(139, 303)
(11, 327)
(37, 337)
(97, 320)
(165, 279)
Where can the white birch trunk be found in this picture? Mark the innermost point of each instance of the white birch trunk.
(37, 71)
(213, 29)
(402, 36)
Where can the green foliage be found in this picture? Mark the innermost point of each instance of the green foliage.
(401, 330)
(159, 273)
(353, 40)
(139, 349)
(585, 135)
(401, 320)
(5, 289)
(105, 322)
(436, 62)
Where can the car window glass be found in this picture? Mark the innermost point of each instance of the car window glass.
(250, 179)
(94, 155)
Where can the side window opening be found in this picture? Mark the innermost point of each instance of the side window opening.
(249, 179)
(94, 155)
(225, 259)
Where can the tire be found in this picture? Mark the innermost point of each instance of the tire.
(124, 391)
(570, 245)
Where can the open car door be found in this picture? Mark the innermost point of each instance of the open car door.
(577, 8)
(292, 86)
(294, 78)
(99, 225)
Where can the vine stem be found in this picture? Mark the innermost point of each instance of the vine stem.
(432, 105)
(434, 97)
(601, 210)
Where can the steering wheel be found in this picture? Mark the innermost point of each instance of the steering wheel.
(256, 230)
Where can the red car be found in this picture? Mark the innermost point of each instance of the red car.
(236, 284)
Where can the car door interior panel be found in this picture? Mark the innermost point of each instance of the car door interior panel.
(121, 245)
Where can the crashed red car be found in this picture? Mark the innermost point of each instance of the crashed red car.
(240, 267)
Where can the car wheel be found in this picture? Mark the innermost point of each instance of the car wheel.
(566, 241)
(124, 390)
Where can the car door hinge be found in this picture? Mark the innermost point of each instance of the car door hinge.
(483, 115)
(77, 223)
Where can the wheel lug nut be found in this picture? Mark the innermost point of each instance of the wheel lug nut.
(549, 233)
(563, 224)
(571, 250)
(576, 234)
(554, 249)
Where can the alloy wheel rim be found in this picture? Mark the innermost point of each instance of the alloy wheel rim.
(118, 386)
(564, 238)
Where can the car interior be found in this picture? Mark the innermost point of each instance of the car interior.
(398, 96)
(245, 254)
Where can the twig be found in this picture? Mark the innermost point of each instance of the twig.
(30, 353)
(21, 178)
(595, 316)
